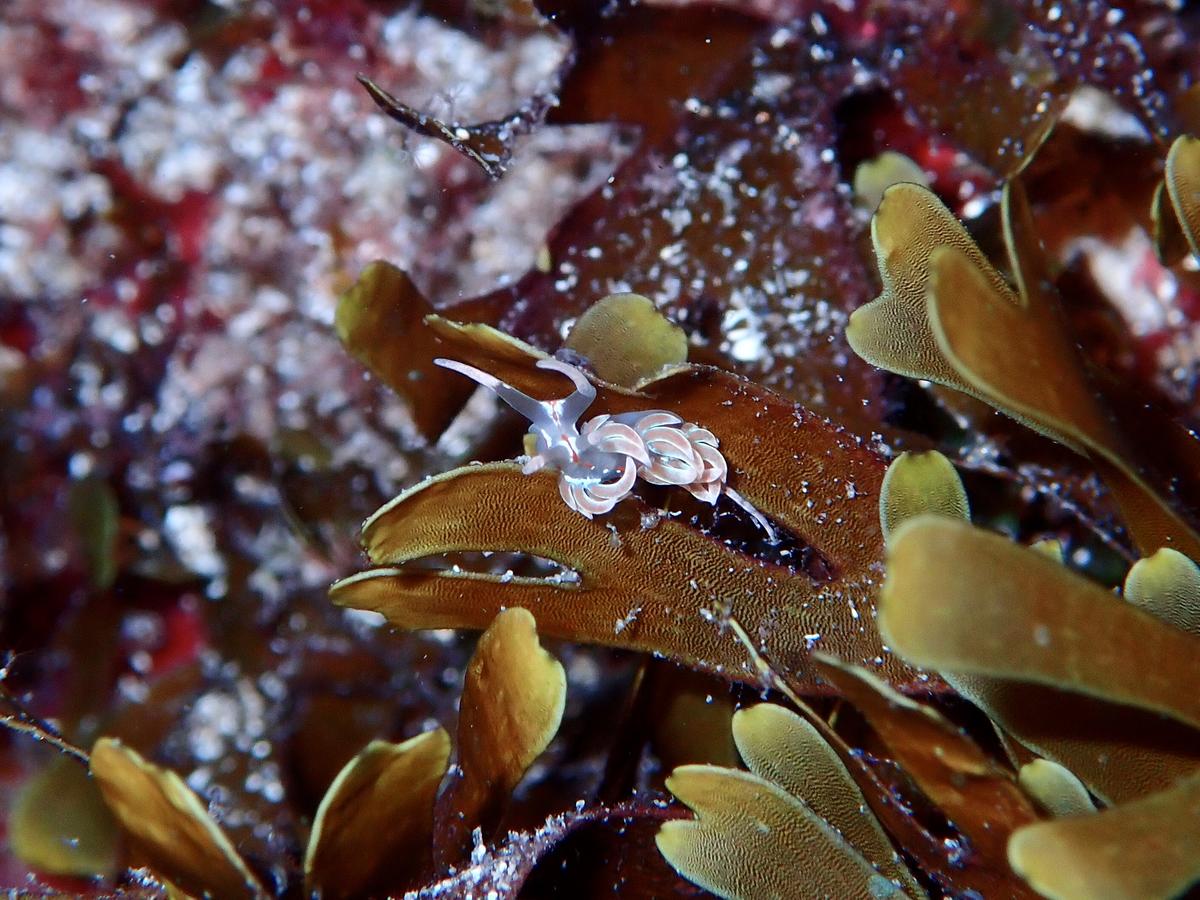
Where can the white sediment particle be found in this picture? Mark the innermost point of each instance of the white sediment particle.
(627, 620)
(188, 529)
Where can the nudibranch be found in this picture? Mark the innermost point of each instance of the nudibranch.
(599, 461)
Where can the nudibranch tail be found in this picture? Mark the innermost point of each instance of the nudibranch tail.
(751, 510)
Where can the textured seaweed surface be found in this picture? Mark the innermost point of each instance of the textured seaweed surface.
(193, 427)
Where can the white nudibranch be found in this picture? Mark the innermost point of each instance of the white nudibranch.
(599, 461)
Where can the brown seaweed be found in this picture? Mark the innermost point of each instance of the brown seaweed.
(1176, 210)
(1146, 848)
(1055, 788)
(979, 796)
(753, 839)
(918, 483)
(1074, 673)
(512, 704)
(783, 748)
(647, 580)
(374, 827)
(1167, 585)
(947, 315)
(169, 826)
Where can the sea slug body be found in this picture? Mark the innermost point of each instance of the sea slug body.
(599, 461)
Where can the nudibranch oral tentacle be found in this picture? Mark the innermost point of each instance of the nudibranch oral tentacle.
(599, 462)
(521, 402)
(575, 404)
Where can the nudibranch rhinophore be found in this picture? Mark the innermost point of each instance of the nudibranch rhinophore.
(599, 461)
